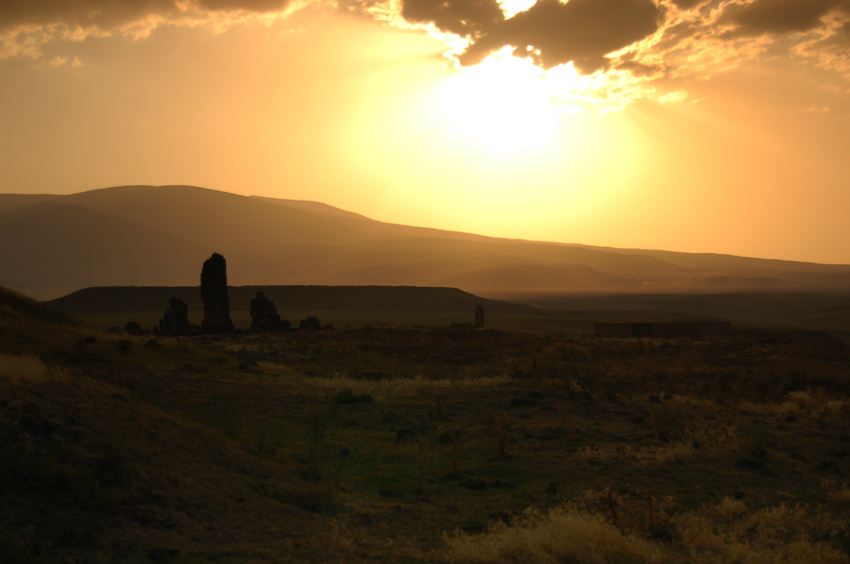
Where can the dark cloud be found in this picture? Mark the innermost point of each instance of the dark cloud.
(839, 41)
(461, 17)
(581, 31)
(679, 33)
(247, 5)
(104, 14)
(108, 15)
(832, 51)
(777, 16)
(641, 70)
(550, 33)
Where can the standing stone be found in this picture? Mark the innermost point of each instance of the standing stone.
(264, 315)
(175, 320)
(310, 324)
(479, 317)
(214, 293)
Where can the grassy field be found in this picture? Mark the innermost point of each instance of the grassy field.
(818, 311)
(556, 323)
(419, 444)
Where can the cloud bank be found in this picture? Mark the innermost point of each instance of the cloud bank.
(27, 25)
(627, 41)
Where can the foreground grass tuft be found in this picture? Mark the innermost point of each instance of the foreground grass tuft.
(719, 534)
(564, 534)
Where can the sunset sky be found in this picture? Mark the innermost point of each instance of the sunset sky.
(686, 125)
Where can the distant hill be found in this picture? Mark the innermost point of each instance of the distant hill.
(310, 206)
(54, 246)
(160, 235)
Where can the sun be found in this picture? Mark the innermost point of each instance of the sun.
(501, 104)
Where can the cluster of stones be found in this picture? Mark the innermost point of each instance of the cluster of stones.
(479, 321)
(175, 320)
(264, 316)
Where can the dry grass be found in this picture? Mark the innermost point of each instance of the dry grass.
(564, 534)
(385, 389)
(719, 534)
(28, 368)
(366, 445)
(729, 507)
(723, 534)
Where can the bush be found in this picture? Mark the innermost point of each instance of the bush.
(565, 534)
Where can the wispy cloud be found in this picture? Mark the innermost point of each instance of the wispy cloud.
(678, 96)
(27, 25)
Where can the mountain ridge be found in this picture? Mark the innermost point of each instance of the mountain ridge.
(160, 235)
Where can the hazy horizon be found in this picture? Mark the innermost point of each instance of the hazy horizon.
(158, 235)
(683, 125)
(327, 208)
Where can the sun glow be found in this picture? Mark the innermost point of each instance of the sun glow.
(501, 104)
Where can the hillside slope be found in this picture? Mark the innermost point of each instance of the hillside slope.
(56, 246)
(94, 473)
(160, 235)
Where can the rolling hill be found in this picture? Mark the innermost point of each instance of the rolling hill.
(160, 235)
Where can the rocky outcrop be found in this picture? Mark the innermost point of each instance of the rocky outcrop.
(175, 320)
(214, 294)
(264, 315)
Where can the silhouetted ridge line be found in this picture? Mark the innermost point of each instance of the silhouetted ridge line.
(15, 306)
(156, 235)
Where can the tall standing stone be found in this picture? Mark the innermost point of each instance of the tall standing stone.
(214, 293)
(479, 317)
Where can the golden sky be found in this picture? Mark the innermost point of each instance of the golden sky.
(702, 126)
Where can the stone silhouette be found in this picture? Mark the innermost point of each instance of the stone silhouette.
(214, 293)
(175, 320)
(264, 315)
(479, 317)
(310, 324)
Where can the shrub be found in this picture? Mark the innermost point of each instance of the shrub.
(716, 534)
(565, 534)
(770, 535)
(23, 368)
